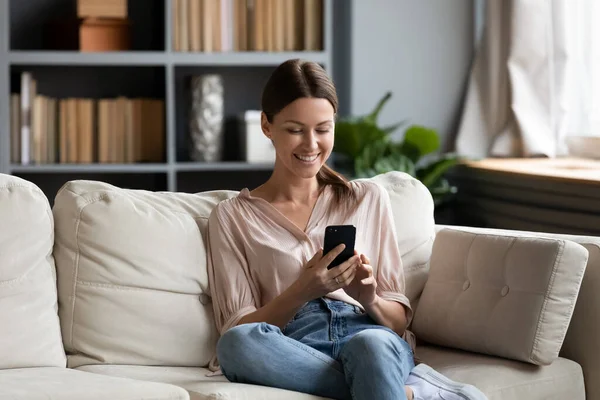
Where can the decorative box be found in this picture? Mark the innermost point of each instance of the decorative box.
(256, 148)
(106, 34)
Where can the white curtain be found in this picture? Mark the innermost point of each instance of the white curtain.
(535, 79)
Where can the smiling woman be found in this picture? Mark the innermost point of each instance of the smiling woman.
(276, 302)
(299, 106)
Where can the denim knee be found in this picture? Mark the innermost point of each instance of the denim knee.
(379, 342)
(231, 342)
(237, 341)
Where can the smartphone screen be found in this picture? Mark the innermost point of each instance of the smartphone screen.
(338, 234)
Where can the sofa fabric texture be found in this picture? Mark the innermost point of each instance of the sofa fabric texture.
(69, 384)
(501, 295)
(197, 383)
(503, 379)
(136, 319)
(581, 343)
(412, 208)
(30, 333)
(132, 278)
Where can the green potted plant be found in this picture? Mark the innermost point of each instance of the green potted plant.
(363, 149)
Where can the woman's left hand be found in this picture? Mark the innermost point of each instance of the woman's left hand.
(363, 287)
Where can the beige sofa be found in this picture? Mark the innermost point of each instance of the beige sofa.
(106, 297)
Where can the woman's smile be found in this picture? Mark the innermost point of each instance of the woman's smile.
(307, 159)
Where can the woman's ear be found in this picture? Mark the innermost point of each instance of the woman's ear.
(265, 125)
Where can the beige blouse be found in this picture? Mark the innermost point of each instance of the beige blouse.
(255, 252)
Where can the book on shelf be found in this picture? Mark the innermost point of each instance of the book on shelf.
(47, 130)
(102, 8)
(247, 25)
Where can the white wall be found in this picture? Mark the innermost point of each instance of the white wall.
(421, 50)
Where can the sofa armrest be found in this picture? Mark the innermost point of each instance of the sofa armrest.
(582, 343)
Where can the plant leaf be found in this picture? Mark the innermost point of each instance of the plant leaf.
(391, 128)
(424, 139)
(395, 162)
(430, 174)
(372, 117)
(351, 138)
(409, 150)
(442, 191)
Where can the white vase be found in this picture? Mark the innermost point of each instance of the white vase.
(206, 118)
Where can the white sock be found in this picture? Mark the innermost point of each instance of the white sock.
(422, 390)
(428, 384)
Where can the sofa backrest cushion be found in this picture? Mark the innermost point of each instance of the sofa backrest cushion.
(30, 335)
(132, 276)
(413, 210)
(501, 294)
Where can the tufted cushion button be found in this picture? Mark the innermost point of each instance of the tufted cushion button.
(504, 291)
(204, 299)
(466, 285)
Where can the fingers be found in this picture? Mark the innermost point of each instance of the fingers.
(368, 268)
(329, 257)
(315, 259)
(353, 261)
(368, 281)
(365, 259)
(343, 280)
(345, 271)
(350, 278)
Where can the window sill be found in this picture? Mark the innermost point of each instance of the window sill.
(575, 170)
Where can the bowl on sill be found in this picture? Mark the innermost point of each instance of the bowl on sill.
(584, 146)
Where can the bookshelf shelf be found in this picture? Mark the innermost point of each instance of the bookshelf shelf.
(152, 69)
(243, 58)
(222, 166)
(160, 58)
(127, 58)
(88, 168)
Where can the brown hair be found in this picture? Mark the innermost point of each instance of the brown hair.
(296, 79)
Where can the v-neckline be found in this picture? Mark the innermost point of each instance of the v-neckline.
(316, 213)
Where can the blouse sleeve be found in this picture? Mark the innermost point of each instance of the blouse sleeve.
(390, 271)
(228, 274)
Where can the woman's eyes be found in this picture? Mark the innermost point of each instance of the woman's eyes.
(300, 131)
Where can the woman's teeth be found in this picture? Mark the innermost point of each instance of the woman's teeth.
(307, 158)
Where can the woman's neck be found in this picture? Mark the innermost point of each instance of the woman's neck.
(281, 187)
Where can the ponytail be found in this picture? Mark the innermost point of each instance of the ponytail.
(341, 187)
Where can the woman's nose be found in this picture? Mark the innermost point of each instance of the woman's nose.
(311, 140)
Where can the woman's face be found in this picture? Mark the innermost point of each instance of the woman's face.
(302, 134)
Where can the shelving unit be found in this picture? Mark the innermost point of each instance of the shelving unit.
(152, 68)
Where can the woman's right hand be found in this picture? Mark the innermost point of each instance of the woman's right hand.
(317, 281)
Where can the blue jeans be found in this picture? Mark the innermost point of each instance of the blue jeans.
(329, 349)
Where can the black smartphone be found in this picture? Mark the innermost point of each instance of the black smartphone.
(336, 235)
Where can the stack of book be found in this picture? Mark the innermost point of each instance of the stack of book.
(46, 130)
(247, 25)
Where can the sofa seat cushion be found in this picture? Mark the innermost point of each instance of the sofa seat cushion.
(502, 379)
(68, 384)
(197, 383)
(30, 330)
